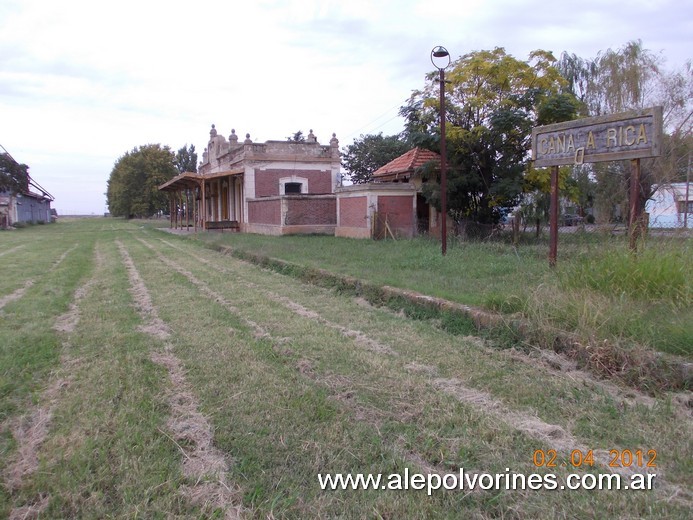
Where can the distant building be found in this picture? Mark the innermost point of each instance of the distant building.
(275, 188)
(25, 207)
(668, 205)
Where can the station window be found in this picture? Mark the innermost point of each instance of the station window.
(292, 187)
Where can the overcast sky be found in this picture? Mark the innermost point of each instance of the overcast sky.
(84, 81)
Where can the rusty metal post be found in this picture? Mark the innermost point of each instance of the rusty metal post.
(443, 169)
(553, 218)
(634, 222)
(441, 53)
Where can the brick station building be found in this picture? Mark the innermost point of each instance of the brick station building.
(274, 188)
(288, 187)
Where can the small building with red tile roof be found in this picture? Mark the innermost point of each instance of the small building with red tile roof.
(405, 166)
(392, 203)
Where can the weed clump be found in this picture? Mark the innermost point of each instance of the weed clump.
(658, 275)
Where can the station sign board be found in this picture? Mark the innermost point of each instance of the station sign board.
(630, 135)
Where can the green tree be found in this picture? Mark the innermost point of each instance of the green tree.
(14, 177)
(134, 180)
(536, 202)
(492, 103)
(370, 152)
(186, 159)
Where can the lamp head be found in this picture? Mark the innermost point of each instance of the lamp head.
(440, 52)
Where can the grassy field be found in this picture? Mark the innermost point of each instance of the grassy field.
(599, 291)
(146, 375)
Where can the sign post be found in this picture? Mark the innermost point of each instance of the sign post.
(634, 215)
(553, 218)
(626, 136)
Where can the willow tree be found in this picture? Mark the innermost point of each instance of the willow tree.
(492, 102)
(629, 78)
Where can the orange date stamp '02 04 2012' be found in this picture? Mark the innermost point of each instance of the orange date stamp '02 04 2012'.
(579, 458)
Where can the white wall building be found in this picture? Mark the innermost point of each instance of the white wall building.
(668, 206)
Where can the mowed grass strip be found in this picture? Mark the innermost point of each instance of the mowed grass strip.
(30, 347)
(36, 256)
(30, 430)
(203, 463)
(307, 398)
(106, 455)
(326, 358)
(506, 374)
(281, 426)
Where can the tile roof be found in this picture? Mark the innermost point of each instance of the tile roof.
(407, 163)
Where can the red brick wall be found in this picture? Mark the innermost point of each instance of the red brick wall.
(400, 212)
(267, 181)
(304, 211)
(264, 211)
(352, 211)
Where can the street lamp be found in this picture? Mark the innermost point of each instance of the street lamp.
(442, 56)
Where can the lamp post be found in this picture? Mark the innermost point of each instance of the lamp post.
(443, 56)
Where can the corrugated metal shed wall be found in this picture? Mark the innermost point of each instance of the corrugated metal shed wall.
(30, 209)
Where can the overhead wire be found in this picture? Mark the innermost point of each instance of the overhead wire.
(368, 125)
